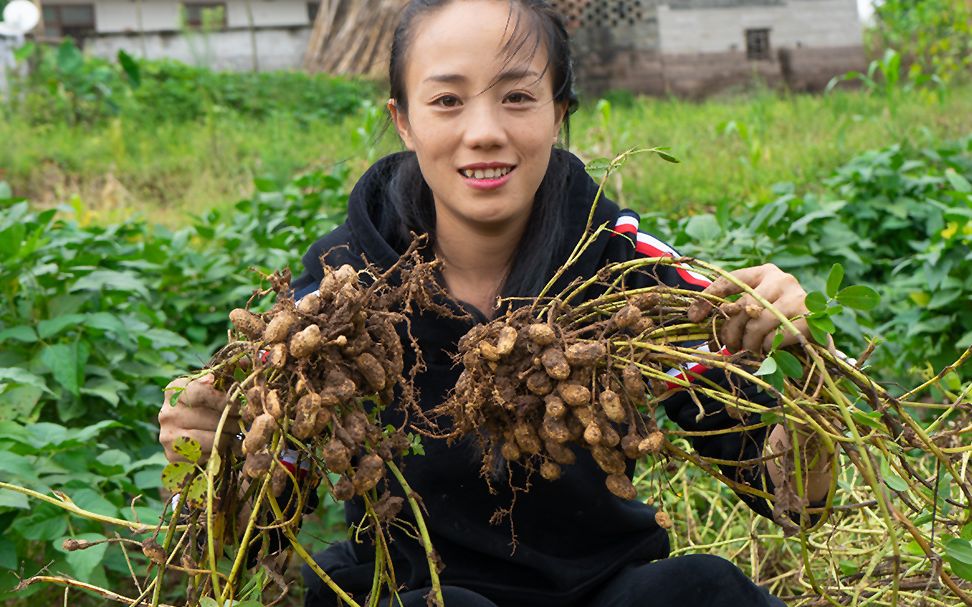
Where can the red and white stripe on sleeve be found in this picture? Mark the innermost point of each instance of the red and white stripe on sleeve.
(649, 246)
(688, 372)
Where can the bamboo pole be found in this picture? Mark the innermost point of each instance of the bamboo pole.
(352, 37)
(254, 53)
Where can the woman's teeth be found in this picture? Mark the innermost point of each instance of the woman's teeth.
(486, 173)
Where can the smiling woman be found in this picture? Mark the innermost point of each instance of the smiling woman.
(481, 91)
(477, 107)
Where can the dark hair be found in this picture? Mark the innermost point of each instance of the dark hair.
(542, 246)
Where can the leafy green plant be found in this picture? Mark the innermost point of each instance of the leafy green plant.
(934, 35)
(883, 78)
(897, 220)
(94, 321)
(67, 85)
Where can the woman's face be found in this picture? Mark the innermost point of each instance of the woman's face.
(482, 149)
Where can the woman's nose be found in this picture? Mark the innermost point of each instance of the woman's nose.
(483, 126)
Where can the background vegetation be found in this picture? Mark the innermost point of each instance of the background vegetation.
(137, 197)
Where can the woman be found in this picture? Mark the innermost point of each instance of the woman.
(480, 92)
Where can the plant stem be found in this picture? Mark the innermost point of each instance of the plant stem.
(423, 531)
(65, 503)
(307, 558)
(70, 583)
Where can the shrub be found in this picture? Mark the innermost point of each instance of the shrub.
(897, 219)
(94, 321)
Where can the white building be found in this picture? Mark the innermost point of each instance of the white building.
(694, 47)
(687, 47)
(214, 34)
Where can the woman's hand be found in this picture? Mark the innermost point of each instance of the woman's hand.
(195, 415)
(749, 325)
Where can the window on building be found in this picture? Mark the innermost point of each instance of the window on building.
(69, 20)
(312, 9)
(204, 15)
(757, 44)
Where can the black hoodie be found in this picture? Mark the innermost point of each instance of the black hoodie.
(570, 534)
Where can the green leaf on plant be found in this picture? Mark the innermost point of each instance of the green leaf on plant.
(871, 419)
(210, 602)
(8, 554)
(175, 474)
(105, 388)
(130, 66)
(789, 364)
(958, 553)
(66, 362)
(188, 448)
(598, 168)
(43, 524)
(19, 402)
(920, 297)
(848, 567)
(115, 458)
(91, 500)
(12, 499)
(415, 444)
(816, 302)
(195, 495)
(958, 182)
(891, 478)
(771, 417)
(16, 375)
(922, 519)
(776, 380)
(768, 367)
(111, 280)
(913, 548)
(770, 371)
(703, 228)
(667, 157)
(819, 329)
(22, 333)
(859, 297)
(53, 326)
(961, 569)
(834, 279)
(958, 549)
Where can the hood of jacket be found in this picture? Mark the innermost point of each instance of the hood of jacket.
(369, 200)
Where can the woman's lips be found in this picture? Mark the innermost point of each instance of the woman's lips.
(487, 184)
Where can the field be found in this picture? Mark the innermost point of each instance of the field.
(733, 148)
(131, 216)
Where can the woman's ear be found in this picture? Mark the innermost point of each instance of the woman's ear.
(401, 124)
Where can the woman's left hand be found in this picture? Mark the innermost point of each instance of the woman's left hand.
(749, 325)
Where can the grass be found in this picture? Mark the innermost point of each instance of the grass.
(732, 148)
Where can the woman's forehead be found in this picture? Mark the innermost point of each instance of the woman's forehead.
(475, 39)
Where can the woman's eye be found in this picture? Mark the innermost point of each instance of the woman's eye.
(517, 98)
(447, 101)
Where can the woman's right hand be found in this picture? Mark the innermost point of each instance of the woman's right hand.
(195, 414)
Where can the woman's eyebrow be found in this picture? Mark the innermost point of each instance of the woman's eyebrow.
(507, 75)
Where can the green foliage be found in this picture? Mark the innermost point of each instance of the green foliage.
(934, 35)
(173, 91)
(898, 221)
(67, 85)
(95, 471)
(94, 321)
